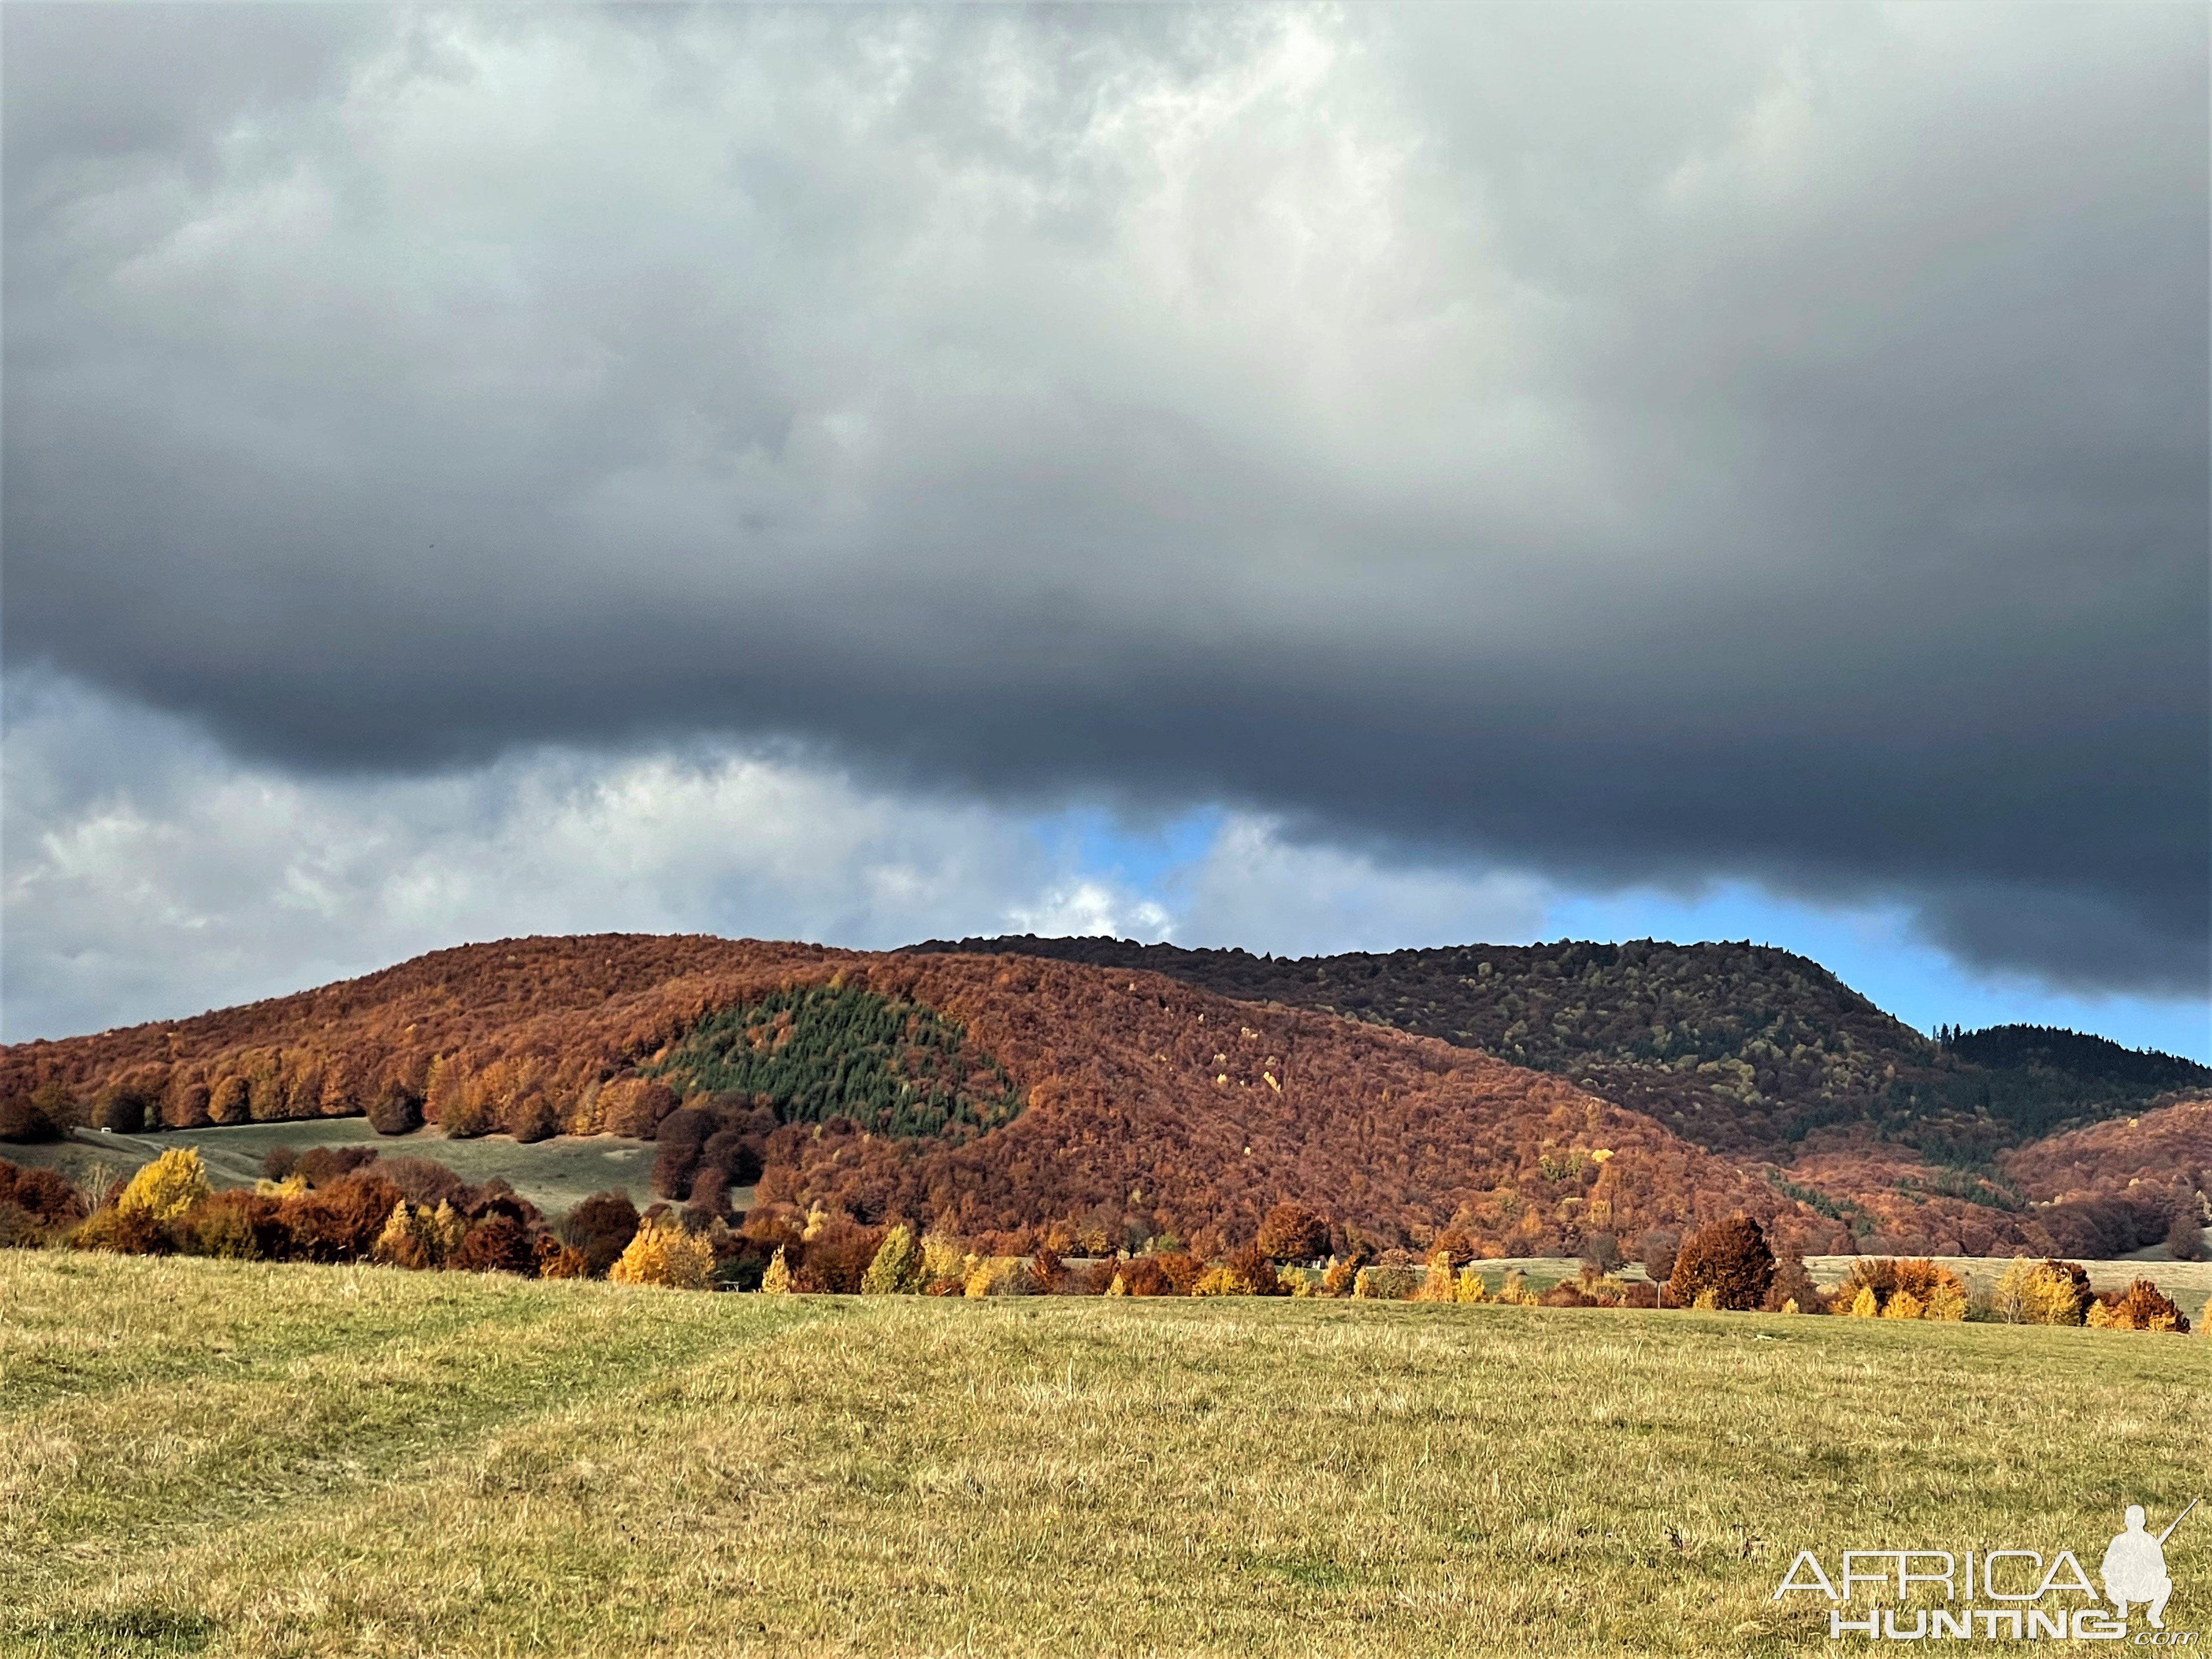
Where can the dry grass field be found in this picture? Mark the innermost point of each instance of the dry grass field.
(557, 1174)
(200, 1456)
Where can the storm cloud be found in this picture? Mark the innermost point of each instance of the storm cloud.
(1626, 444)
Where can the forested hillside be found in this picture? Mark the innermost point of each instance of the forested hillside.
(1743, 1049)
(987, 1094)
(2112, 1156)
(1003, 1095)
(820, 1053)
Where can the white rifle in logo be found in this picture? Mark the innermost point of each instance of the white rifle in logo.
(2134, 1568)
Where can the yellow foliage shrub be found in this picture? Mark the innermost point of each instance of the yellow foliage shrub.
(1948, 1300)
(1438, 1284)
(401, 1244)
(1709, 1299)
(941, 1257)
(1469, 1287)
(897, 1269)
(1337, 1280)
(1386, 1284)
(667, 1256)
(1001, 1275)
(2053, 1297)
(2037, 1293)
(443, 1229)
(776, 1281)
(167, 1187)
(1245, 1273)
(1913, 1288)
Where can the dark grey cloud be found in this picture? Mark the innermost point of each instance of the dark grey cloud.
(1644, 445)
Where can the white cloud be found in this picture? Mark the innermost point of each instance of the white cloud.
(149, 873)
(1253, 888)
(1092, 906)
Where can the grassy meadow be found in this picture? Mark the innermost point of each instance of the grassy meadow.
(203, 1456)
(557, 1174)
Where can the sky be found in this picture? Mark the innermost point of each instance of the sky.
(1303, 478)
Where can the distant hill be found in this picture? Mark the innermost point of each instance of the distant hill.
(2110, 1156)
(2093, 1065)
(1742, 1048)
(995, 1094)
(985, 1094)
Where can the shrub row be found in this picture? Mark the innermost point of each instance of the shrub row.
(351, 1204)
(329, 1205)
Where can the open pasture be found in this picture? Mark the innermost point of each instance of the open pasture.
(556, 1174)
(200, 1456)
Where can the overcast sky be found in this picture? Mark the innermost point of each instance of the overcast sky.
(1303, 477)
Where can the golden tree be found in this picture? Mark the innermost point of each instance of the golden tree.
(943, 1258)
(1438, 1284)
(402, 1243)
(776, 1281)
(1947, 1299)
(897, 1269)
(2042, 1293)
(167, 1187)
(2141, 1307)
(670, 1257)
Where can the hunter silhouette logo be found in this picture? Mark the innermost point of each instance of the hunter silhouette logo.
(2024, 1594)
(2134, 1566)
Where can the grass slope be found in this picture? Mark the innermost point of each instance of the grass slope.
(556, 1174)
(253, 1459)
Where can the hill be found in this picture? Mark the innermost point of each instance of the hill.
(1002, 1095)
(2153, 1149)
(1744, 1049)
(987, 1094)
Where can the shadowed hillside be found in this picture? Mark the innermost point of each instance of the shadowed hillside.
(1743, 1049)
